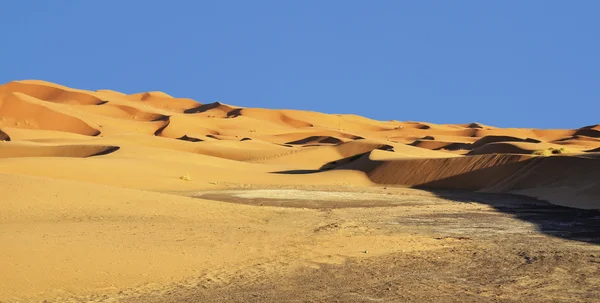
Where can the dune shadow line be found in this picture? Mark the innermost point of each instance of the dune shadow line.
(550, 219)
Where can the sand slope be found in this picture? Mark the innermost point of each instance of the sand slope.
(86, 238)
(94, 184)
(155, 141)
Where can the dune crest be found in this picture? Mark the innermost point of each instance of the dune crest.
(160, 138)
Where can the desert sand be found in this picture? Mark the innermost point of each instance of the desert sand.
(112, 197)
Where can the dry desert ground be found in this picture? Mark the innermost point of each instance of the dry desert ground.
(109, 197)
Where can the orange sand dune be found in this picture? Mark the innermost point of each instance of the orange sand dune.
(212, 110)
(97, 185)
(475, 125)
(123, 112)
(458, 147)
(24, 149)
(22, 111)
(41, 122)
(555, 179)
(424, 172)
(514, 148)
(494, 139)
(268, 115)
(38, 135)
(307, 135)
(589, 131)
(160, 100)
(316, 140)
(51, 93)
(329, 156)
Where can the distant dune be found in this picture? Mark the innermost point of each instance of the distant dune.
(150, 140)
(110, 197)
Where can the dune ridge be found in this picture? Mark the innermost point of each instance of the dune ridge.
(165, 137)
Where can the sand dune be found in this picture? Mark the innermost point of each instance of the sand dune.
(268, 115)
(42, 119)
(303, 135)
(123, 112)
(22, 111)
(39, 135)
(102, 150)
(555, 179)
(316, 140)
(437, 173)
(51, 92)
(442, 145)
(590, 131)
(24, 149)
(512, 148)
(493, 139)
(215, 109)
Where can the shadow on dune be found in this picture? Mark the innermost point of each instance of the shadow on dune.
(166, 120)
(190, 139)
(554, 220)
(4, 136)
(202, 108)
(317, 139)
(588, 131)
(327, 166)
(298, 171)
(106, 151)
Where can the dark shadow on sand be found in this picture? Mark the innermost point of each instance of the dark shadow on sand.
(550, 219)
(327, 166)
(107, 151)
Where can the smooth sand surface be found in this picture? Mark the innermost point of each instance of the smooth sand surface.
(93, 183)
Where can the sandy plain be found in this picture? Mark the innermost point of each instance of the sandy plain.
(109, 197)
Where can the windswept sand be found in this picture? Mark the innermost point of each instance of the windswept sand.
(109, 196)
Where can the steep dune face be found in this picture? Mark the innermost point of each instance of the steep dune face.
(22, 111)
(160, 142)
(17, 150)
(563, 180)
(464, 173)
(567, 181)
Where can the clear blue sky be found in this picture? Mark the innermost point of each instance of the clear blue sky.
(505, 63)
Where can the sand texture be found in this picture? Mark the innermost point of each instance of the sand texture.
(151, 198)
